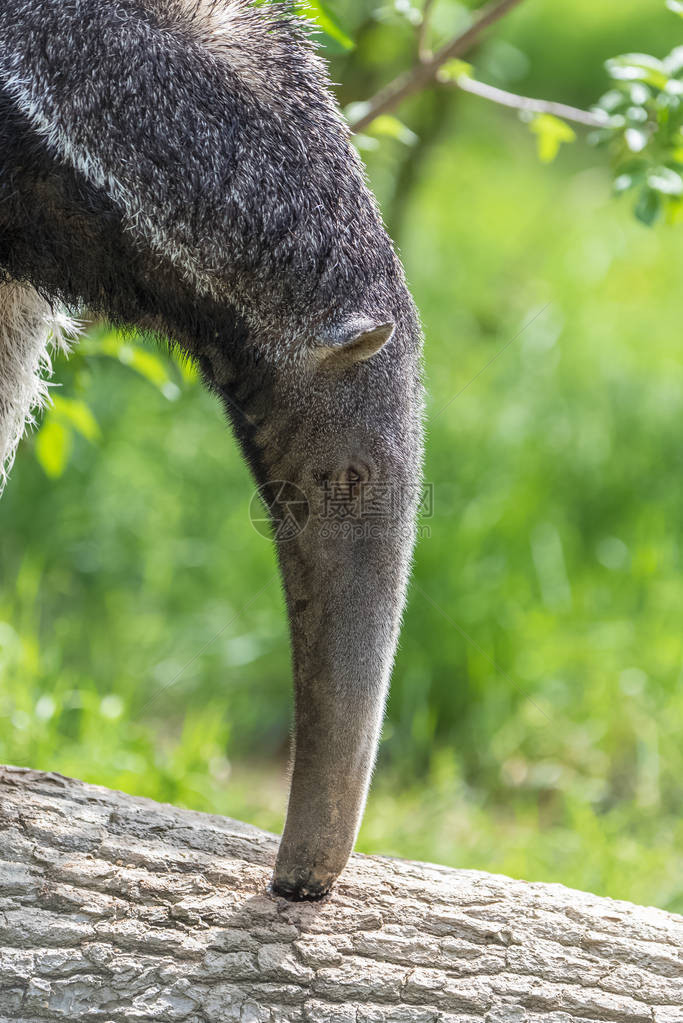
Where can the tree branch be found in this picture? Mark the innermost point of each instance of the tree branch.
(423, 51)
(121, 909)
(425, 72)
(528, 104)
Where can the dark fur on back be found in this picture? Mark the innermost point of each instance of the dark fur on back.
(259, 198)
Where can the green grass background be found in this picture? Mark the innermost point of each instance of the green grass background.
(534, 725)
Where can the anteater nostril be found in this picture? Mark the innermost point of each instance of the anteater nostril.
(353, 476)
(355, 472)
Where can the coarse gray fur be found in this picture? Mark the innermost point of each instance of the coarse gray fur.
(180, 166)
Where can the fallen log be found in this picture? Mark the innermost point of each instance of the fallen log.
(115, 908)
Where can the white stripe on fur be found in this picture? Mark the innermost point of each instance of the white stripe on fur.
(29, 329)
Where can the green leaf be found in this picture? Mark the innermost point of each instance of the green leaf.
(648, 207)
(622, 183)
(629, 174)
(148, 364)
(674, 62)
(637, 115)
(454, 69)
(612, 101)
(552, 132)
(387, 124)
(53, 445)
(638, 93)
(674, 87)
(640, 67)
(77, 414)
(665, 180)
(320, 14)
(405, 9)
(674, 211)
(636, 139)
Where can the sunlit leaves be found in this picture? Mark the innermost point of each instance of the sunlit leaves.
(384, 126)
(411, 13)
(635, 139)
(68, 417)
(660, 193)
(147, 363)
(639, 67)
(399, 11)
(665, 181)
(455, 69)
(76, 414)
(622, 183)
(645, 109)
(551, 132)
(336, 39)
(65, 418)
(674, 211)
(674, 62)
(53, 446)
(648, 206)
(390, 126)
(641, 116)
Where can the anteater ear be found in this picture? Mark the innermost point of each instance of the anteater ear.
(354, 343)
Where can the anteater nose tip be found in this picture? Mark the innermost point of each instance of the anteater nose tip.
(301, 885)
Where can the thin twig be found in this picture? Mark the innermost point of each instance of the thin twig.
(423, 73)
(528, 104)
(423, 52)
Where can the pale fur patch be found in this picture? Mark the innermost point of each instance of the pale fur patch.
(242, 35)
(236, 32)
(29, 331)
(215, 18)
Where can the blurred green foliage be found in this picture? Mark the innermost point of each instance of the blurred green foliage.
(645, 131)
(536, 709)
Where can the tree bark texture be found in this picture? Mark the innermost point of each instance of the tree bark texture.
(115, 908)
